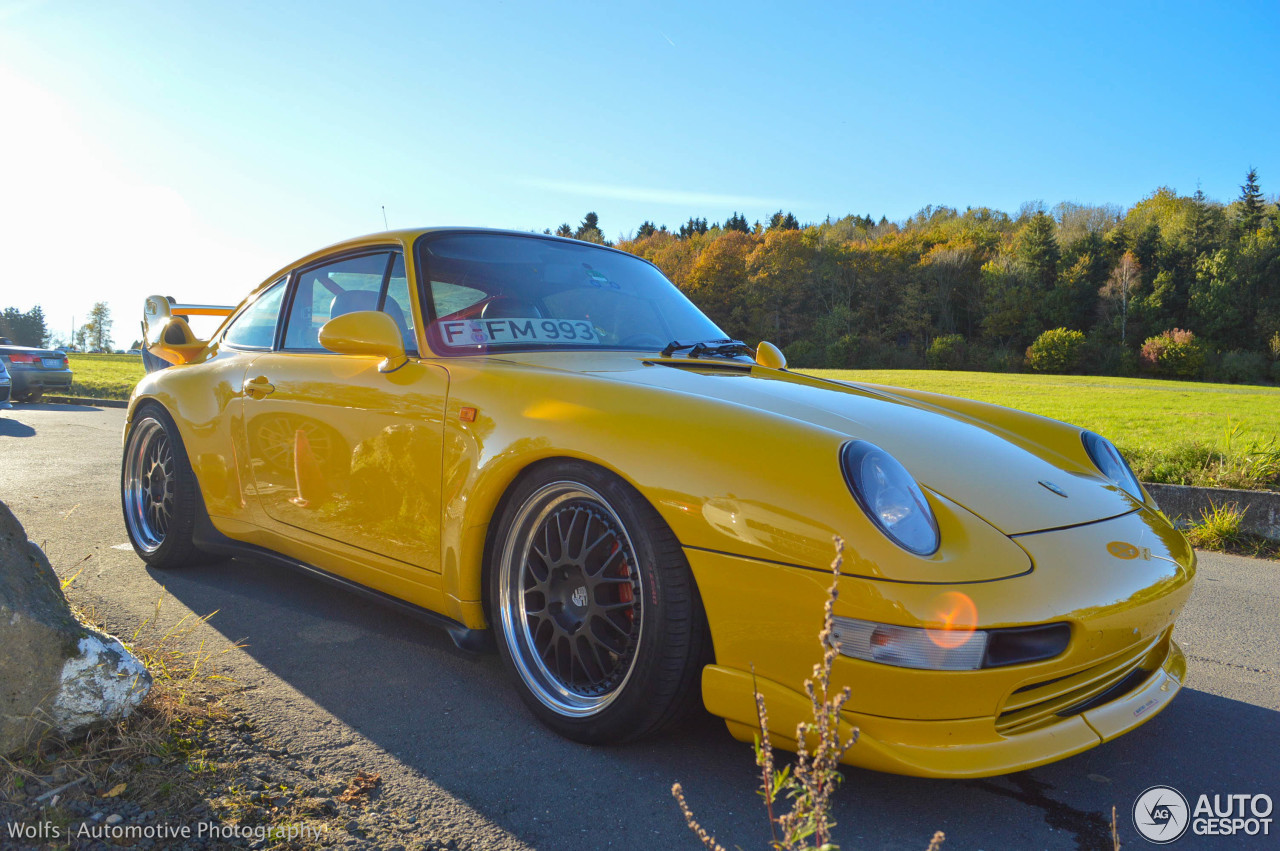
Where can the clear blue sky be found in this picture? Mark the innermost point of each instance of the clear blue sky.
(193, 148)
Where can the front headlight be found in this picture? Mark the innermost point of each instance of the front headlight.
(1111, 463)
(890, 497)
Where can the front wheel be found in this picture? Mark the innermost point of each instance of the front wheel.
(595, 606)
(158, 491)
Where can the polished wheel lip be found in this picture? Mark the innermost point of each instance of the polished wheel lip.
(544, 684)
(148, 485)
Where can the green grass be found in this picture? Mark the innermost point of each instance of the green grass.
(1181, 432)
(1218, 435)
(104, 376)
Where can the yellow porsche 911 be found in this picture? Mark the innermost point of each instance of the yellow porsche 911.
(542, 443)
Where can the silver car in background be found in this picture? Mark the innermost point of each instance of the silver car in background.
(32, 371)
(5, 386)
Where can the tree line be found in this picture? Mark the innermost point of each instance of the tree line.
(32, 329)
(976, 289)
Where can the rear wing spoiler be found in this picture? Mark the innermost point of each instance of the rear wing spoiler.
(166, 336)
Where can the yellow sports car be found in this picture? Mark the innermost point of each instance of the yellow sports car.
(541, 443)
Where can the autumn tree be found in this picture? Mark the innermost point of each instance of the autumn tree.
(98, 328)
(1115, 294)
(718, 283)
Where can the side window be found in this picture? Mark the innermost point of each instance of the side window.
(255, 327)
(323, 292)
(397, 304)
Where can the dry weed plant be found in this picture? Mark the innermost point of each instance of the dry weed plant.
(811, 781)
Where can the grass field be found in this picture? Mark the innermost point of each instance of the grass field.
(1225, 435)
(104, 376)
(1182, 432)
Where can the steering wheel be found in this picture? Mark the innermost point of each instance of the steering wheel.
(644, 340)
(510, 307)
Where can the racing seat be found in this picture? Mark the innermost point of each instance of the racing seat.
(352, 300)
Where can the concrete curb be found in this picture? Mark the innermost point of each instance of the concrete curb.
(1183, 503)
(82, 400)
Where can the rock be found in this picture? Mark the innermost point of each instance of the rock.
(56, 674)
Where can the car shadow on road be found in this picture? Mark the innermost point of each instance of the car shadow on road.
(9, 427)
(456, 719)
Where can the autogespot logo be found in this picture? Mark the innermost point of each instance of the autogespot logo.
(1160, 814)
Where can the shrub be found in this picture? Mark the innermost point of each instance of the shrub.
(946, 352)
(1057, 350)
(843, 353)
(1241, 367)
(804, 354)
(1175, 354)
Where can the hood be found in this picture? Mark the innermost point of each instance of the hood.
(992, 469)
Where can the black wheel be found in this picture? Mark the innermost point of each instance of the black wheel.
(158, 491)
(594, 605)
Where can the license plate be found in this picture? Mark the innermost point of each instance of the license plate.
(52, 363)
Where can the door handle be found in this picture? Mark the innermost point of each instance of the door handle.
(259, 387)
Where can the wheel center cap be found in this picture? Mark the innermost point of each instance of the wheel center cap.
(155, 484)
(569, 597)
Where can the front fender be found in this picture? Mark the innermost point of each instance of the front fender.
(725, 477)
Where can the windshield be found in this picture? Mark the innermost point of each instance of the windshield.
(508, 291)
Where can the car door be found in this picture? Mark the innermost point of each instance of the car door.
(337, 448)
(213, 396)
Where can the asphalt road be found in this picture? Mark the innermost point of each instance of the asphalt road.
(359, 686)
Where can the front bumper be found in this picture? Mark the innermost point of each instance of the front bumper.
(1119, 670)
(956, 748)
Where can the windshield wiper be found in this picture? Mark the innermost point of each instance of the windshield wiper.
(725, 348)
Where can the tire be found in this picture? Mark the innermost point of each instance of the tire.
(594, 606)
(158, 492)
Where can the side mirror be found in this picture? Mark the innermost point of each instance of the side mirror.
(365, 332)
(767, 354)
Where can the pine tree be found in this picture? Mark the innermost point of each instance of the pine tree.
(1038, 250)
(647, 228)
(737, 222)
(1251, 204)
(693, 226)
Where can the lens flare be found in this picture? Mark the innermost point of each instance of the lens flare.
(959, 617)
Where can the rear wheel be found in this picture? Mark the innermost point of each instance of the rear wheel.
(158, 491)
(595, 606)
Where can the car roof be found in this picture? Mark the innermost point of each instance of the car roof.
(407, 236)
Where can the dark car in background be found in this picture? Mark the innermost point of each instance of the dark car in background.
(32, 371)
